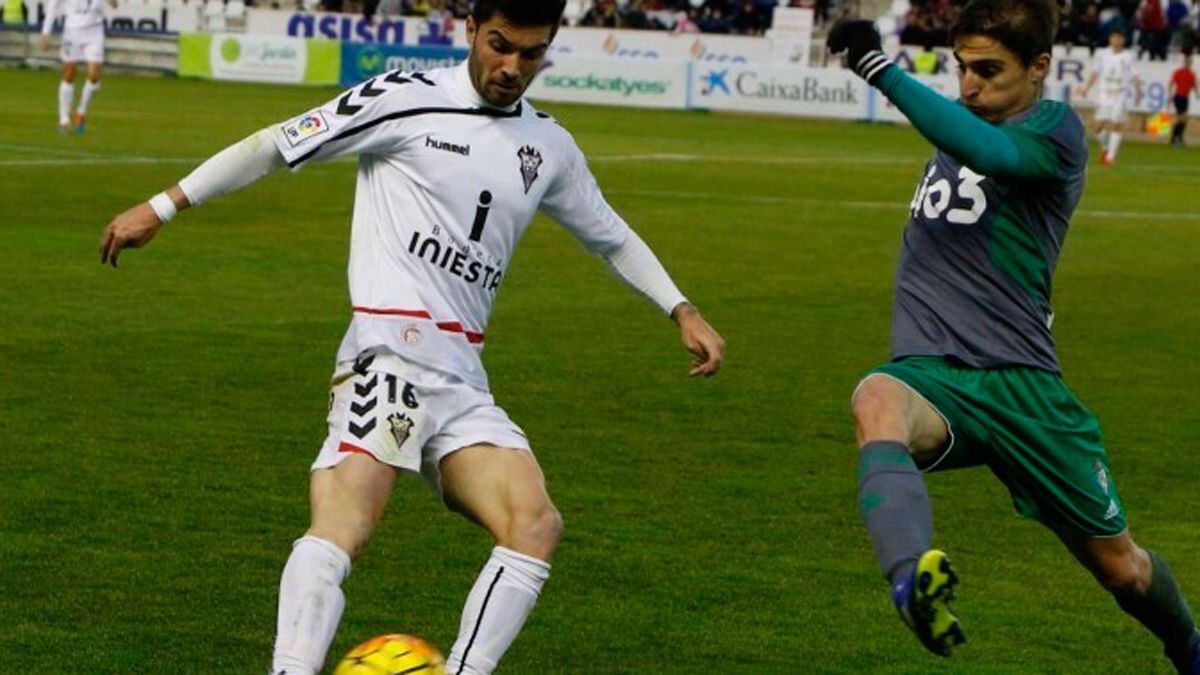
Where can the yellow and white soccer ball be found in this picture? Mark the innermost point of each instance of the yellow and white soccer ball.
(392, 655)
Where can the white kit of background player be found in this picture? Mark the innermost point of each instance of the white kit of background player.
(82, 42)
(453, 166)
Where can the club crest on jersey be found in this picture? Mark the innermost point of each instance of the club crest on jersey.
(531, 161)
(305, 127)
(401, 426)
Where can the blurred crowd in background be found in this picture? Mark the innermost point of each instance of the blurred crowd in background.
(1152, 27)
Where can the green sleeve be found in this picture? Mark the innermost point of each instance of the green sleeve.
(987, 149)
(1035, 138)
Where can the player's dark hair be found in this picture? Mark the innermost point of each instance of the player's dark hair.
(1026, 27)
(521, 12)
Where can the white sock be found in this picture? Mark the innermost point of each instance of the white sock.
(310, 605)
(66, 92)
(503, 595)
(1102, 139)
(1114, 142)
(89, 90)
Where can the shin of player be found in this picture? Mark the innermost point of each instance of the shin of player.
(963, 389)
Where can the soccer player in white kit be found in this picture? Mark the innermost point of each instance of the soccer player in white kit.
(453, 165)
(82, 42)
(1116, 72)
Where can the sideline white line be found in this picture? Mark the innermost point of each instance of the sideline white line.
(91, 161)
(889, 206)
(83, 158)
(750, 159)
(761, 199)
(42, 149)
(915, 159)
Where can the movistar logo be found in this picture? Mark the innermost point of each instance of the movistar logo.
(370, 61)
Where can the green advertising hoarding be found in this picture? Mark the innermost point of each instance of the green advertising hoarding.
(259, 58)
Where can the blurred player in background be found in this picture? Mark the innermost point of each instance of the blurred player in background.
(82, 42)
(1114, 68)
(974, 377)
(1180, 90)
(454, 164)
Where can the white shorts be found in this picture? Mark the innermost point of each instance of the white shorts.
(1110, 111)
(83, 44)
(409, 416)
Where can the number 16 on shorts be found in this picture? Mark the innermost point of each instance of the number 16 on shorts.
(377, 414)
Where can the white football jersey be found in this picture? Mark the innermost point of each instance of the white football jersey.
(76, 14)
(446, 187)
(1116, 72)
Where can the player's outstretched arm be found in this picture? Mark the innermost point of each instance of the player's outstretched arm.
(945, 123)
(700, 339)
(575, 201)
(231, 169)
(635, 264)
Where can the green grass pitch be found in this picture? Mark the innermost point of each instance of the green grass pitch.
(157, 421)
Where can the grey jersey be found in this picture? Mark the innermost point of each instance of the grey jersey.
(979, 253)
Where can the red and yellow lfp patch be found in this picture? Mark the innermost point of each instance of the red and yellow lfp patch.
(305, 127)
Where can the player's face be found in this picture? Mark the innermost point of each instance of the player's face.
(992, 81)
(504, 57)
(1116, 40)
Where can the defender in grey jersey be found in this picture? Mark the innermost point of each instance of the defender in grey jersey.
(979, 253)
(974, 379)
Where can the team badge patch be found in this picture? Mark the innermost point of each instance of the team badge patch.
(401, 426)
(531, 161)
(305, 127)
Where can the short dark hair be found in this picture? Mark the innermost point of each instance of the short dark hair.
(521, 12)
(1026, 27)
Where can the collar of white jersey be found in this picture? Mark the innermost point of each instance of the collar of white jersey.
(465, 89)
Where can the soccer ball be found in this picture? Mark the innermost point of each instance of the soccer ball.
(392, 655)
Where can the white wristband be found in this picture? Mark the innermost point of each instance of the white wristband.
(163, 207)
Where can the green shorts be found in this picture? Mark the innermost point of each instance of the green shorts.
(1030, 430)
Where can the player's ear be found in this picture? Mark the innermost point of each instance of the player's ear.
(471, 28)
(1039, 68)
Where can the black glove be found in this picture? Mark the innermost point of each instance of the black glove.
(863, 46)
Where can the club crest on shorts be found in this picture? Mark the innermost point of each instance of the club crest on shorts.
(531, 161)
(401, 427)
(1101, 476)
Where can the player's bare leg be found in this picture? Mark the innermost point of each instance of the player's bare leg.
(90, 87)
(1144, 587)
(1108, 137)
(502, 490)
(66, 95)
(348, 501)
(895, 429)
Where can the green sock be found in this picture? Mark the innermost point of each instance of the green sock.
(1163, 610)
(895, 507)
